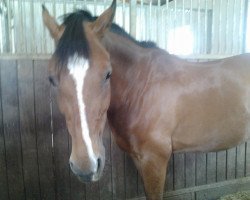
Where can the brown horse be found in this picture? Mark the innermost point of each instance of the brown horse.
(156, 103)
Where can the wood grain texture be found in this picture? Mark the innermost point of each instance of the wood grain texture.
(118, 176)
(201, 172)
(44, 132)
(3, 170)
(61, 150)
(221, 172)
(231, 163)
(105, 183)
(211, 167)
(9, 87)
(27, 128)
(179, 171)
(190, 170)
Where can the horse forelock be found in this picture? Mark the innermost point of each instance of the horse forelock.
(73, 40)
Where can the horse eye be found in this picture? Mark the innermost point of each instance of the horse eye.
(52, 81)
(108, 75)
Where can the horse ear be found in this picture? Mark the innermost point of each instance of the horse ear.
(51, 24)
(104, 21)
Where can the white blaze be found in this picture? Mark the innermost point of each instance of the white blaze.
(78, 67)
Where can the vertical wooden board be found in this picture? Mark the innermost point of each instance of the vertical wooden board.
(211, 167)
(187, 196)
(140, 186)
(190, 170)
(221, 165)
(92, 191)
(130, 178)
(3, 171)
(169, 183)
(231, 163)
(105, 183)
(61, 150)
(179, 171)
(240, 161)
(201, 172)
(248, 159)
(27, 128)
(43, 129)
(118, 179)
(11, 129)
(77, 189)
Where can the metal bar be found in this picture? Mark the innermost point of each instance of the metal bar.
(213, 47)
(158, 21)
(21, 26)
(1, 38)
(234, 43)
(132, 14)
(227, 29)
(183, 13)
(123, 13)
(244, 26)
(220, 28)
(166, 24)
(150, 21)
(24, 28)
(206, 29)
(33, 46)
(141, 24)
(199, 28)
(9, 34)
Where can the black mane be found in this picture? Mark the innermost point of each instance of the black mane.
(74, 39)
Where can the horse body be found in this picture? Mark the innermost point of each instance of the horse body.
(199, 106)
(162, 104)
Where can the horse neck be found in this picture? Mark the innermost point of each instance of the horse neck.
(123, 52)
(127, 60)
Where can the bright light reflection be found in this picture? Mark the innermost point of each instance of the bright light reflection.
(181, 40)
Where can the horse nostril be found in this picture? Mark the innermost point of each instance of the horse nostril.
(98, 164)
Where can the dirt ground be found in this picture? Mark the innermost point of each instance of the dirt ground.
(237, 196)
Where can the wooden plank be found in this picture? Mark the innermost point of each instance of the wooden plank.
(11, 129)
(78, 189)
(179, 171)
(187, 196)
(130, 178)
(248, 159)
(61, 150)
(231, 163)
(201, 173)
(240, 161)
(3, 171)
(92, 191)
(118, 179)
(27, 128)
(105, 184)
(211, 167)
(190, 170)
(140, 186)
(43, 129)
(221, 172)
(169, 185)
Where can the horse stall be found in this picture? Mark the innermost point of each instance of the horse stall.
(34, 143)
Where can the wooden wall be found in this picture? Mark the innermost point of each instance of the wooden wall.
(32, 168)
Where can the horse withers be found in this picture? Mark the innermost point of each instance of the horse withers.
(156, 103)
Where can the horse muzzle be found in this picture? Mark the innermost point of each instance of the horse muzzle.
(87, 176)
